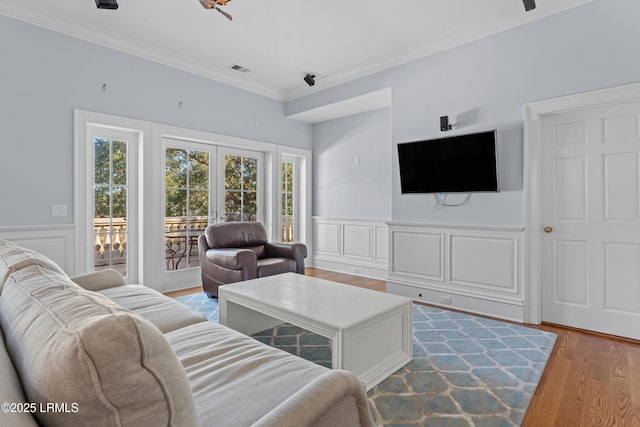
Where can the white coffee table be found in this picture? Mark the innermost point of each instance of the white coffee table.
(370, 331)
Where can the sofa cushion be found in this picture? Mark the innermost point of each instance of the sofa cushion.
(76, 347)
(14, 257)
(273, 266)
(165, 313)
(246, 378)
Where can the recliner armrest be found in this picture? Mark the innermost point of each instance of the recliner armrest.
(285, 250)
(233, 259)
(295, 251)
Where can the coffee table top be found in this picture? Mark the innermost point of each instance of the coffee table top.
(331, 303)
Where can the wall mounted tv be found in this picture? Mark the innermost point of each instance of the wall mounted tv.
(460, 163)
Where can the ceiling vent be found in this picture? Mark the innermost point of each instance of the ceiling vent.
(239, 68)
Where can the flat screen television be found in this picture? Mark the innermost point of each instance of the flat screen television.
(460, 163)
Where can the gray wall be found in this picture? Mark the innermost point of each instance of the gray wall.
(483, 85)
(44, 75)
(342, 188)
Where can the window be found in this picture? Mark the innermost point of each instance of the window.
(288, 197)
(110, 204)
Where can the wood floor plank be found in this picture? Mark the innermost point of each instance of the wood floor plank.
(545, 405)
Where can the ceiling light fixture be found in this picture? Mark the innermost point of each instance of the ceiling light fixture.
(215, 4)
(529, 5)
(310, 79)
(107, 4)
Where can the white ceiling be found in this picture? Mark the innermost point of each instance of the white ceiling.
(282, 40)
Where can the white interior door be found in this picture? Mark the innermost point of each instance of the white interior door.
(590, 193)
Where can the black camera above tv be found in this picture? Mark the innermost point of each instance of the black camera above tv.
(107, 4)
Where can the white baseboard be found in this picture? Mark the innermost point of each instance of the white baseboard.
(374, 272)
(493, 307)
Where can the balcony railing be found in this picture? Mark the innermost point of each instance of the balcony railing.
(181, 241)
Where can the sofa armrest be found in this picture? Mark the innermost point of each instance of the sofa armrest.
(335, 398)
(295, 251)
(99, 280)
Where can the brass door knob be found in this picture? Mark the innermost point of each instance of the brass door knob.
(548, 229)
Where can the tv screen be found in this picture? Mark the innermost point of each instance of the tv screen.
(461, 163)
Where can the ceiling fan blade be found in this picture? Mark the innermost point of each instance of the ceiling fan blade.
(224, 13)
(206, 4)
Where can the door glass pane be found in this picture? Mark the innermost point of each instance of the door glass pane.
(186, 206)
(250, 174)
(110, 204)
(176, 168)
(119, 168)
(232, 206)
(233, 173)
(241, 188)
(287, 202)
(249, 206)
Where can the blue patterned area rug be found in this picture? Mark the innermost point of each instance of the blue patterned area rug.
(466, 370)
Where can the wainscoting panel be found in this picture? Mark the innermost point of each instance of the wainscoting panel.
(476, 269)
(418, 254)
(357, 241)
(484, 262)
(53, 241)
(326, 239)
(351, 246)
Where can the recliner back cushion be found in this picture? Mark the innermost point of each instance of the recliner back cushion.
(105, 365)
(14, 257)
(236, 235)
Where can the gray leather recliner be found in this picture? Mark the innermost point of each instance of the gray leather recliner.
(235, 251)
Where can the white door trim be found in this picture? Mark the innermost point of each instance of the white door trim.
(533, 114)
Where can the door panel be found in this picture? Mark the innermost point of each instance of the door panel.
(113, 210)
(188, 187)
(240, 174)
(591, 214)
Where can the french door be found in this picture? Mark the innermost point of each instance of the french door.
(205, 184)
(112, 210)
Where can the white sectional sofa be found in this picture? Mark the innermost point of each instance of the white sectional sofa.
(93, 351)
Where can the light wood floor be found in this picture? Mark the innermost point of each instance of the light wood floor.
(591, 380)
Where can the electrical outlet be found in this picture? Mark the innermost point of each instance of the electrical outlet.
(444, 300)
(59, 210)
(355, 270)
